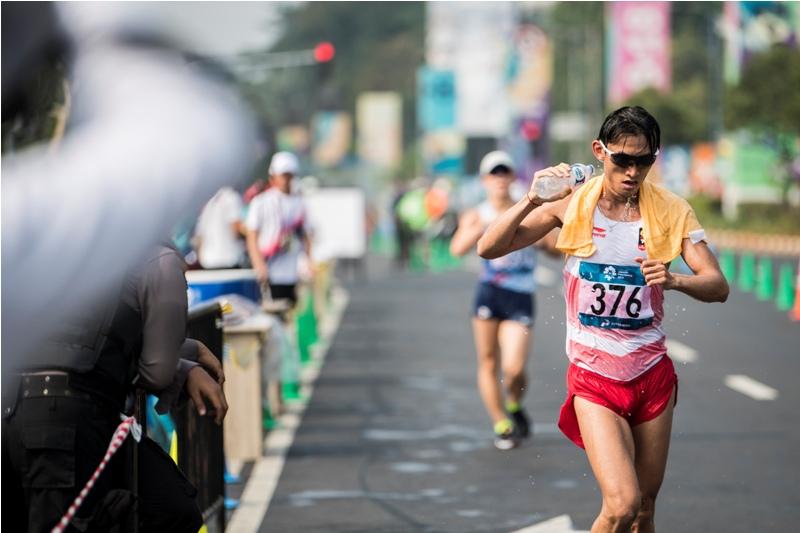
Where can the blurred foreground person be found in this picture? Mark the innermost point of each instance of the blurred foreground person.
(620, 233)
(149, 139)
(503, 312)
(277, 231)
(219, 233)
(63, 404)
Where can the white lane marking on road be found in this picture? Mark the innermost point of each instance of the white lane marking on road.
(470, 513)
(263, 480)
(680, 352)
(429, 434)
(308, 497)
(409, 467)
(750, 387)
(559, 524)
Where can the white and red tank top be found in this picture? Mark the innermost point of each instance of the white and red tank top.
(613, 317)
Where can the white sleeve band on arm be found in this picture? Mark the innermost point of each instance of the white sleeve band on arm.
(697, 235)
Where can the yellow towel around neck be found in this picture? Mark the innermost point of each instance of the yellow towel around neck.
(667, 219)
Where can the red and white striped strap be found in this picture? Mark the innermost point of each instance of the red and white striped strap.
(128, 425)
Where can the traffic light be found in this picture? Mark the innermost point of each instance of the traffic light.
(328, 96)
(324, 52)
(531, 130)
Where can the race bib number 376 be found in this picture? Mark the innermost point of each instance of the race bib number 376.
(613, 296)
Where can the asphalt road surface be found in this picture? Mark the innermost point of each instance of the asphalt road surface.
(395, 437)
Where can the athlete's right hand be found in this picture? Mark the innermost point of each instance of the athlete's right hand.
(562, 170)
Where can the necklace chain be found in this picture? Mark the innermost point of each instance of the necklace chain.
(626, 214)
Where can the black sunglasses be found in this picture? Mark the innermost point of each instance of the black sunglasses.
(626, 160)
(500, 170)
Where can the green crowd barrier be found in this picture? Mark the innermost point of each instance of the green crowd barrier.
(382, 244)
(765, 282)
(747, 272)
(440, 255)
(786, 288)
(416, 260)
(290, 390)
(306, 326)
(290, 369)
(268, 421)
(727, 262)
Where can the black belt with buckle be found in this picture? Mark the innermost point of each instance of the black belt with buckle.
(48, 385)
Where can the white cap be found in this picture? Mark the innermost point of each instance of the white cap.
(283, 163)
(492, 160)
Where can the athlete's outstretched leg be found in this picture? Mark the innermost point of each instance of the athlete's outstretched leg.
(652, 447)
(485, 332)
(610, 448)
(514, 338)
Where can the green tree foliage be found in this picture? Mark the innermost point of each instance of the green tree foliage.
(379, 46)
(768, 95)
(681, 121)
(767, 102)
(690, 111)
(576, 29)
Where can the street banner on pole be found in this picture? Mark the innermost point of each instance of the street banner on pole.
(436, 99)
(379, 119)
(294, 138)
(638, 48)
(332, 136)
(472, 39)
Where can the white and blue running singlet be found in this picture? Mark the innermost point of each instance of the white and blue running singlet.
(513, 271)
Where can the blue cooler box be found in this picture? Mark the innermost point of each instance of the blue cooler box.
(207, 284)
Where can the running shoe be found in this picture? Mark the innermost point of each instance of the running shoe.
(505, 435)
(522, 423)
(506, 441)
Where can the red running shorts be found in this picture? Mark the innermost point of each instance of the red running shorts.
(637, 401)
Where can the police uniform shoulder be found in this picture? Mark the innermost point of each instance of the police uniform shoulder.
(161, 254)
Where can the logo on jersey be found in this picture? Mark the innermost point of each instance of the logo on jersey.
(609, 272)
(641, 240)
(598, 232)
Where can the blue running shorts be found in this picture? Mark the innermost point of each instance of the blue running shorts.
(495, 303)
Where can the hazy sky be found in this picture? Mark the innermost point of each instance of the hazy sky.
(222, 28)
(210, 28)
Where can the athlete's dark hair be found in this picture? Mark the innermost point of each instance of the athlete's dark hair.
(631, 121)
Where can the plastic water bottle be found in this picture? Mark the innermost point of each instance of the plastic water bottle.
(549, 186)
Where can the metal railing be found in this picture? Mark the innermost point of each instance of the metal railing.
(200, 446)
(200, 441)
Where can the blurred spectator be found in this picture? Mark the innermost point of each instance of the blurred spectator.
(255, 188)
(62, 406)
(277, 231)
(402, 233)
(411, 218)
(219, 233)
